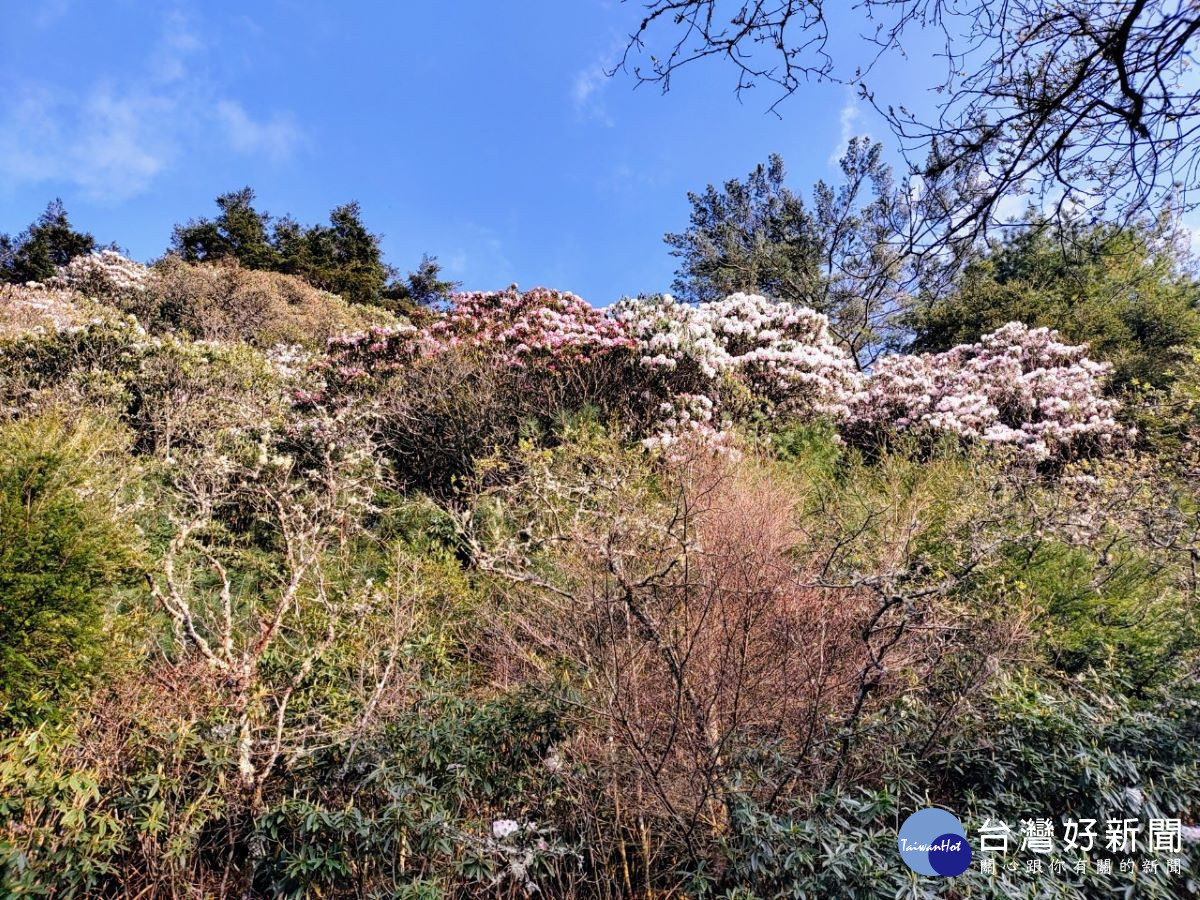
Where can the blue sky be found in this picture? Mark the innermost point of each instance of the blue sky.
(485, 133)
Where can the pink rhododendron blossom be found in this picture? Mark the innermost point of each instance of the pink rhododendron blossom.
(540, 325)
(526, 326)
(1019, 386)
(542, 330)
(703, 367)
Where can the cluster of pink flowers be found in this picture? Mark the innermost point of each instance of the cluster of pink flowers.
(525, 326)
(1019, 386)
(540, 327)
(704, 366)
(103, 274)
(372, 353)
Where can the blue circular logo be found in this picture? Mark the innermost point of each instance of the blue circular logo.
(933, 842)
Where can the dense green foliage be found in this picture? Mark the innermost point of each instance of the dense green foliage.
(342, 257)
(838, 254)
(63, 553)
(755, 236)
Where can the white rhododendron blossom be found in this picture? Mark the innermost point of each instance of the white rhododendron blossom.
(37, 308)
(503, 828)
(1019, 386)
(686, 418)
(782, 353)
(289, 360)
(700, 369)
(104, 273)
(672, 335)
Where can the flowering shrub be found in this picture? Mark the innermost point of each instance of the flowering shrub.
(1019, 386)
(26, 309)
(104, 274)
(543, 325)
(683, 418)
(365, 357)
(290, 361)
(171, 392)
(456, 388)
(518, 850)
(539, 328)
(693, 370)
(782, 355)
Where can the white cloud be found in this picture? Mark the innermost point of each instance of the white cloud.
(105, 142)
(275, 138)
(848, 120)
(587, 94)
(179, 42)
(589, 85)
(120, 150)
(112, 139)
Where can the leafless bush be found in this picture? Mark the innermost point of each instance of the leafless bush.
(734, 649)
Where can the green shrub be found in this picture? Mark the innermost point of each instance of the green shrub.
(64, 550)
(1109, 611)
(173, 393)
(411, 814)
(1032, 753)
(226, 301)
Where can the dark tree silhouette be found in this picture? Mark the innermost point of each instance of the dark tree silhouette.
(424, 287)
(343, 257)
(40, 249)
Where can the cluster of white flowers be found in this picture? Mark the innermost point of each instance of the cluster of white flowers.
(671, 335)
(685, 418)
(290, 360)
(519, 847)
(1019, 386)
(783, 354)
(104, 274)
(33, 308)
(503, 828)
(705, 366)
